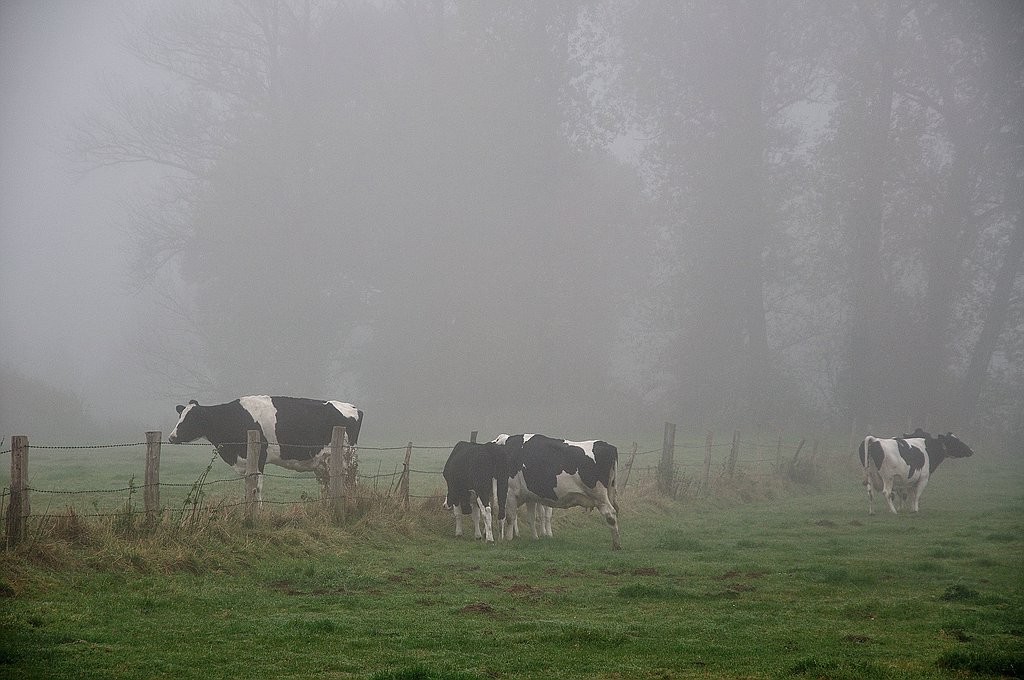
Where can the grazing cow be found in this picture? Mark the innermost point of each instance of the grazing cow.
(295, 433)
(560, 474)
(475, 474)
(902, 466)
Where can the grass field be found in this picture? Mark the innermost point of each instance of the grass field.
(793, 581)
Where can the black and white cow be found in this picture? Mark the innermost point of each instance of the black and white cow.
(476, 474)
(901, 467)
(560, 474)
(296, 433)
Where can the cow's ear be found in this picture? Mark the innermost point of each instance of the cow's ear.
(180, 408)
(193, 402)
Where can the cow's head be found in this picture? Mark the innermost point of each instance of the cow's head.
(191, 423)
(954, 447)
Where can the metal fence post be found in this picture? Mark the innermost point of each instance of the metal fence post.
(336, 480)
(252, 473)
(151, 492)
(708, 443)
(405, 477)
(734, 453)
(666, 469)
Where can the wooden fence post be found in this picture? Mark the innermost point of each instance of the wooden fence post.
(707, 462)
(252, 473)
(473, 436)
(734, 453)
(151, 492)
(336, 473)
(666, 469)
(18, 509)
(404, 484)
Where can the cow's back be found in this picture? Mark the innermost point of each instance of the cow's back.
(301, 421)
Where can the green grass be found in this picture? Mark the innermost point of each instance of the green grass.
(799, 582)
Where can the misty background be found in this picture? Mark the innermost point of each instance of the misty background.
(582, 218)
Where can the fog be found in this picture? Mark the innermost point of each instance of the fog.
(578, 218)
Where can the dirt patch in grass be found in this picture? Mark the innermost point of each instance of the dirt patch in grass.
(478, 608)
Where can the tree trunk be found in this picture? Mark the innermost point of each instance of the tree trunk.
(974, 379)
(868, 330)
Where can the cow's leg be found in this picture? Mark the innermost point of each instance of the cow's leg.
(915, 494)
(457, 511)
(484, 511)
(871, 493)
(611, 517)
(259, 489)
(534, 510)
(546, 520)
(510, 527)
(888, 492)
(477, 534)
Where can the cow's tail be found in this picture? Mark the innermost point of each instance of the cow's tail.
(865, 461)
(872, 476)
(611, 482)
(863, 452)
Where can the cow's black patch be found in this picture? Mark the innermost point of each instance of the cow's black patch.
(224, 426)
(541, 459)
(469, 469)
(874, 452)
(305, 426)
(911, 455)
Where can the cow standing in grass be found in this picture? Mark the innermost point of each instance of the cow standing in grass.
(904, 465)
(560, 474)
(476, 474)
(295, 433)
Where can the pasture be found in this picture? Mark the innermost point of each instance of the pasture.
(763, 578)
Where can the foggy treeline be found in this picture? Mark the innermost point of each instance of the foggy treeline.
(582, 217)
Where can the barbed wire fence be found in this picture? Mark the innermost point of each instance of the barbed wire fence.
(673, 475)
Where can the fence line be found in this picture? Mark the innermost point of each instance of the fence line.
(671, 474)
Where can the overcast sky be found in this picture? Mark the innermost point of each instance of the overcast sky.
(63, 299)
(498, 267)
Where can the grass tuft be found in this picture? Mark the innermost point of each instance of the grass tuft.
(960, 593)
(643, 591)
